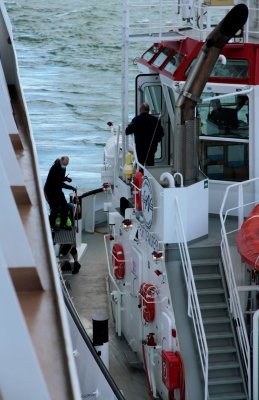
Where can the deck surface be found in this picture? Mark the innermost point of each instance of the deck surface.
(89, 291)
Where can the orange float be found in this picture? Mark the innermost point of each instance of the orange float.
(118, 261)
(248, 240)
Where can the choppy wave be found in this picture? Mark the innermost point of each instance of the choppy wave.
(69, 55)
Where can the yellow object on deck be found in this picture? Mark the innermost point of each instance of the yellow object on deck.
(128, 169)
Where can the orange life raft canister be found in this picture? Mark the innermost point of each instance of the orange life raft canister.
(118, 261)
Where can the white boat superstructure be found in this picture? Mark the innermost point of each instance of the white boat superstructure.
(182, 295)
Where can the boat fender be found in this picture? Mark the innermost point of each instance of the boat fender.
(167, 179)
(118, 261)
(147, 301)
(137, 186)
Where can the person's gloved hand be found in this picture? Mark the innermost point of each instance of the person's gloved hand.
(67, 179)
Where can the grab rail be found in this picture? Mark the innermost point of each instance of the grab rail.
(88, 343)
(193, 302)
(234, 300)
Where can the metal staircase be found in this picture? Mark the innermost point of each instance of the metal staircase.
(225, 376)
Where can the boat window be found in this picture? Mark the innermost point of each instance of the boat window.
(160, 59)
(226, 161)
(174, 62)
(153, 96)
(234, 68)
(150, 53)
(226, 116)
(224, 132)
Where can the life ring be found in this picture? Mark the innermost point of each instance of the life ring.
(118, 261)
(147, 301)
(247, 240)
(137, 186)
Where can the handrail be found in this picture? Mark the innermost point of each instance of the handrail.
(193, 302)
(234, 300)
(90, 193)
(89, 344)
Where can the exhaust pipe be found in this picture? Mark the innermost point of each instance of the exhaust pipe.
(186, 128)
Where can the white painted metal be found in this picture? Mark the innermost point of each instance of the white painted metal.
(5, 104)
(255, 354)
(22, 256)
(193, 303)
(20, 374)
(92, 382)
(195, 218)
(242, 208)
(7, 155)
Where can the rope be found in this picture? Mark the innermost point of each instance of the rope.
(158, 119)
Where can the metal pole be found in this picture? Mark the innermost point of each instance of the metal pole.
(101, 337)
(125, 73)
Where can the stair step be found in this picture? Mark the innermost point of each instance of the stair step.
(204, 277)
(225, 381)
(226, 365)
(206, 261)
(210, 291)
(219, 335)
(222, 350)
(212, 306)
(215, 321)
(228, 396)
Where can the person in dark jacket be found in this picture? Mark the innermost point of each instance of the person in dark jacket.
(53, 191)
(148, 132)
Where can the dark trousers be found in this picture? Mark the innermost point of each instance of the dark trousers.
(58, 206)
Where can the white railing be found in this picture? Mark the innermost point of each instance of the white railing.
(193, 302)
(150, 17)
(240, 209)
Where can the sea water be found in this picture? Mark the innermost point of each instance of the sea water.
(69, 56)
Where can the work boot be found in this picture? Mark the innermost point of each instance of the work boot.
(57, 223)
(68, 225)
(66, 267)
(76, 267)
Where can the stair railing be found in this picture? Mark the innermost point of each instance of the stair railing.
(235, 306)
(193, 302)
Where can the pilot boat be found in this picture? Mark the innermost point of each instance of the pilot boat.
(180, 290)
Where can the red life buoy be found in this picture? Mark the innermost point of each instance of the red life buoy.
(247, 240)
(147, 301)
(137, 185)
(118, 261)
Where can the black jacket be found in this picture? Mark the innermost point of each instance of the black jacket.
(55, 181)
(148, 132)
